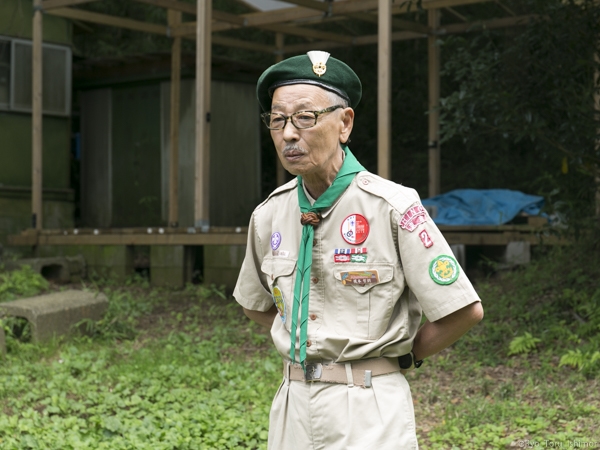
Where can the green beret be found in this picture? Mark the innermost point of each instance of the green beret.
(332, 74)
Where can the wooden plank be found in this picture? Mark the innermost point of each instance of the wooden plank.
(144, 239)
(174, 19)
(384, 89)
(203, 81)
(280, 171)
(36, 113)
(47, 5)
(505, 22)
(105, 19)
(230, 42)
(173, 5)
(434, 100)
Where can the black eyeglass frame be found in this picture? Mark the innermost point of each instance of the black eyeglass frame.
(265, 117)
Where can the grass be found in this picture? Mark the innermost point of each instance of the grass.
(186, 370)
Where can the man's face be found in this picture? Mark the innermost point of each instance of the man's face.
(311, 151)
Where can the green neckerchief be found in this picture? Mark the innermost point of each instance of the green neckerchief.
(344, 177)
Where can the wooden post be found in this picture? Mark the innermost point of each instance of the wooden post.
(279, 41)
(597, 108)
(203, 80)
(434, 101)
(36, 118)
(174, 19)
(384, 89)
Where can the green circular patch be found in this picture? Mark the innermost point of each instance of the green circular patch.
(444, 269)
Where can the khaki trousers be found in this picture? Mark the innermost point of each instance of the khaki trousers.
(326, 416)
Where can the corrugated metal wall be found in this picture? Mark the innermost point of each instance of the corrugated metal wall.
(125, 155)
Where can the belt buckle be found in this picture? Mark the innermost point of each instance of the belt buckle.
(312, 371)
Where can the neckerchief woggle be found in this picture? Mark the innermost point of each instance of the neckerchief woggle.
(309, 219)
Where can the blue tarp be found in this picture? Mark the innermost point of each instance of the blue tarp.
(483, 206)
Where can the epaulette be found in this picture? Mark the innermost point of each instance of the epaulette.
(283, 188)
(399, 197)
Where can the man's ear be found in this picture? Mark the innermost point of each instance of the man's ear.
(347, 124)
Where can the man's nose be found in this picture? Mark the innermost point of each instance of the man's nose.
(290, 132)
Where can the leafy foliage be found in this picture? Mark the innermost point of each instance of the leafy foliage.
(23, 282)
(523, 344)
(529, 96)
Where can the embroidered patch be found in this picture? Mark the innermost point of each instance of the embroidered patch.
(275, 240)
(444, 269)
(413, 218)
(281, 253)
(427, 241)
(279, 303)
(355, 229)
(350, 258)
(341, 258)
(362, 277)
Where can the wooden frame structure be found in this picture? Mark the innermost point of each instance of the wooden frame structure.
(295, 21)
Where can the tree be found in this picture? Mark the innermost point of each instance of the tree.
(534, 88)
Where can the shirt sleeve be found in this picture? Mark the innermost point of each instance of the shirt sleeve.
(430, 268)
(251, 290)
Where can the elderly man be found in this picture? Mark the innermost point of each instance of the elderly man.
(340, 265)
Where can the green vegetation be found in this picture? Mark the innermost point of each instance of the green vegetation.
(186, 370)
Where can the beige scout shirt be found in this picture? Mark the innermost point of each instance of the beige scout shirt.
(350, 321)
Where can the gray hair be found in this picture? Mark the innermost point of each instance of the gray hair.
(337, 99)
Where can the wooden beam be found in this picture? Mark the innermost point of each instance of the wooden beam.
(172, 5)
(384, 90)
(505, 8)
(230, 42)
(280, 171)
(312, 4)
(505, 22)
(203, 82)
(36, 113)
(112, 21)
(434, 101)
(455, 13)
(174, 19)
(408, 35)
(47, 5)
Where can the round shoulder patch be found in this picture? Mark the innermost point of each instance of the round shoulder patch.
(444, 269)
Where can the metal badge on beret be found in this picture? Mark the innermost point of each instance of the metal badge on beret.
(319, 60)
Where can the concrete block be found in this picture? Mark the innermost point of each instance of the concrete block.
(54, 314)
(61, 269)
(222, 264)
(170, 265)
(109, 261)
(517, 253)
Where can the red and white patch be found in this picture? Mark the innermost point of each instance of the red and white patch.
(341, 258)
(425, 239)
(355, 229)
(413, 218)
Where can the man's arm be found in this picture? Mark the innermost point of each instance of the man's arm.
(433, 337)
(262, 318)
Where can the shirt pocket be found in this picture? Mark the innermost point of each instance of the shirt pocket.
(280, 274)
(364, 310)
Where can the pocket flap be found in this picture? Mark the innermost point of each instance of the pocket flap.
(277, 267)
(385, 273)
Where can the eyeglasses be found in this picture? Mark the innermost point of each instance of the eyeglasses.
(301, 119)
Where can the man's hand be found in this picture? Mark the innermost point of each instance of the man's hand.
(262, 318)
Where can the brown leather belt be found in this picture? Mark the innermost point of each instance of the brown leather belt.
(353, 373)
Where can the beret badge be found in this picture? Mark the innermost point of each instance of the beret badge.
(319, 60)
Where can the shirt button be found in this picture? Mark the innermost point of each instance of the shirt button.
(313, 317)
(308, 343)
(315, 280)
(314, 242)
(365, 181)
